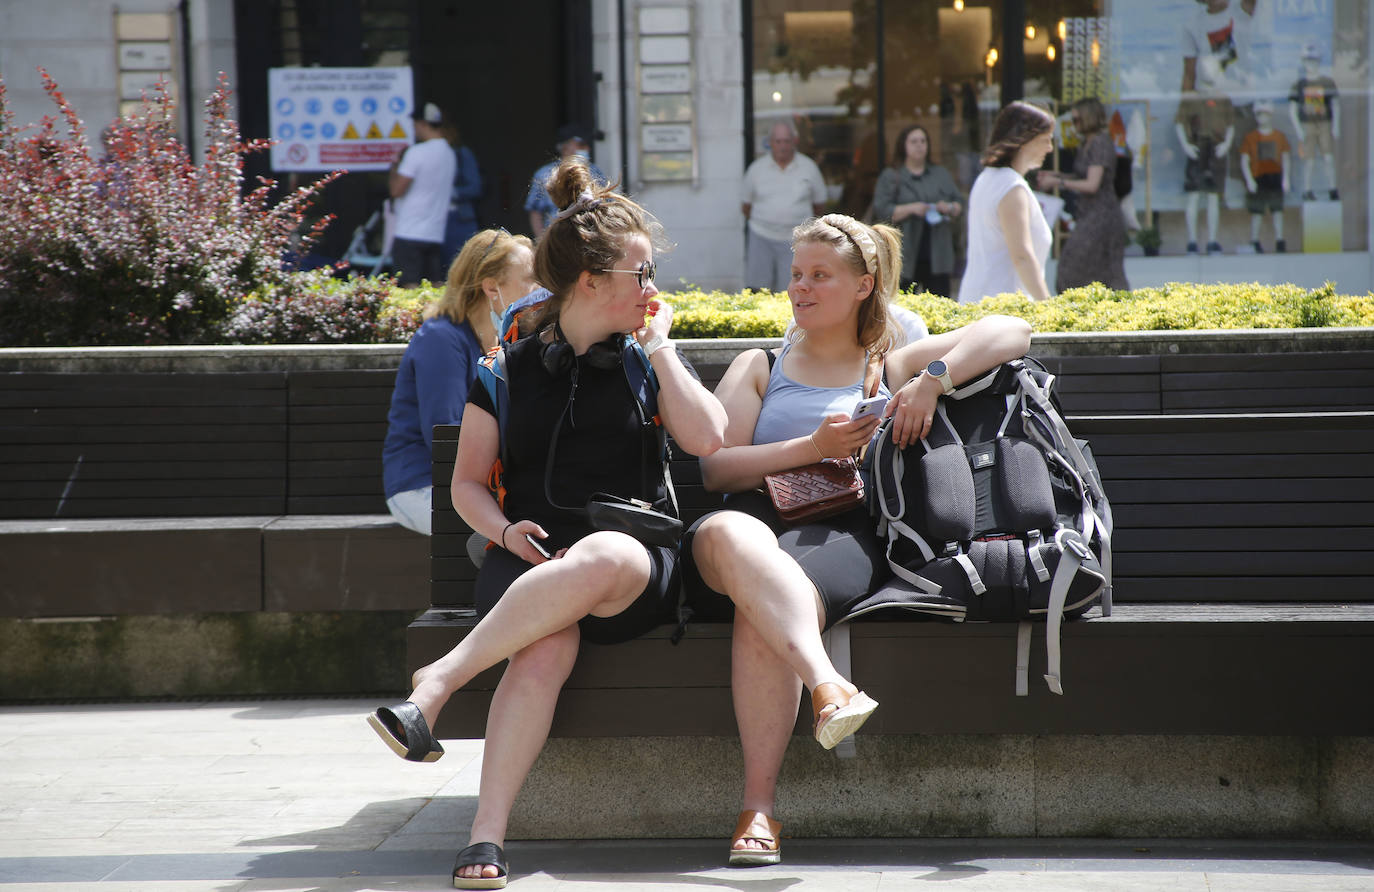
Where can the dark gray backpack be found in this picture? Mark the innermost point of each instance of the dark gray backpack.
(998, 515)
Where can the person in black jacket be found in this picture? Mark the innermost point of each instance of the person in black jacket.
(550, 580)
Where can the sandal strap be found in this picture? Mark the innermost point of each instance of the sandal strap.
(827, 694)
(482, 853)
(408, 717)
(759, 826)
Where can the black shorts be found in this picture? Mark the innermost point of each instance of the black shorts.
(1268, 194)
(1206, 173)
(656, 605)
(842, 556)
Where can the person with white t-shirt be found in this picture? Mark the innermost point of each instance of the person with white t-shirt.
(1221, 32)
(420, 182)
(781, 190)
(1008, 238)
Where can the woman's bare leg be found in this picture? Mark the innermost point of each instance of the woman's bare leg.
(600, 575)
(766, 692)
(517, 727)
(738, 556)
(776, 645)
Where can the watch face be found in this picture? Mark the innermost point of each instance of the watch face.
(937, 368)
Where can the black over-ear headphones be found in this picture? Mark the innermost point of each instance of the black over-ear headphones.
(559, 359)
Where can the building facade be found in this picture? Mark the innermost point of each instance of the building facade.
(679, 95)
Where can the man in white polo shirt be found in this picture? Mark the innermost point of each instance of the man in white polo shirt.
(420, 183)
(781, 190)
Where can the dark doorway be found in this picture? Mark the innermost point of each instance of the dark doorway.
(509, 74)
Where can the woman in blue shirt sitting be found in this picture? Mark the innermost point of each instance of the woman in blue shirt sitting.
(493, 270)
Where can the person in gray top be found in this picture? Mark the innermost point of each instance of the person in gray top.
(785, 585)
(921, 199)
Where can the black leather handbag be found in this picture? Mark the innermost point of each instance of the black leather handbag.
(633, 517)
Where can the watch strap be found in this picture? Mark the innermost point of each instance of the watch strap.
(656, 343)
(946, 382)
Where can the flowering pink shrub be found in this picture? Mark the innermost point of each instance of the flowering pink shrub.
(142, 245)
(315, 308)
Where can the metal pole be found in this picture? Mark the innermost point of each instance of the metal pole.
(1013, 50)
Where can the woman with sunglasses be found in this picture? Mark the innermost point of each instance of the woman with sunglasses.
(571, 428)
(493, 269)
(787, 408)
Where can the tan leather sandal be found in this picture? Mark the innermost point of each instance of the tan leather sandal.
(839, 714)
(759, 827)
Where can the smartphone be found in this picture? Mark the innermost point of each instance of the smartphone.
(871, 406)
(538, 546)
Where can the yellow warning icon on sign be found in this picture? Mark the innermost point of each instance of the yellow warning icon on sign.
(350, 132)
(374, 132)
(397, 131)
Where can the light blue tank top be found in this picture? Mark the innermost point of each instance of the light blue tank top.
(792, 410)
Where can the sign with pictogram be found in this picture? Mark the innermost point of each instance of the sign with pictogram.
(334, 118)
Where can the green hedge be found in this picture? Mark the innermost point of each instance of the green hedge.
(1172, 307)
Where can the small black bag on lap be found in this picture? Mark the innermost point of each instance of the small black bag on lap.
(998, 515)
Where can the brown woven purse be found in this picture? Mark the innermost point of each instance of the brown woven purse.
(817, 490)
(823, 488)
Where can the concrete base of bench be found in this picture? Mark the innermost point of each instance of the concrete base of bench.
(150, 607)
(1148, 669)
(1177, 721)
(204, 655)
(961, 785)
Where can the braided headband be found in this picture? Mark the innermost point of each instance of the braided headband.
(858, 234)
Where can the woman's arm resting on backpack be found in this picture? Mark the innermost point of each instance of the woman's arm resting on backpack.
(693, 416)
(479, 443)
(967, 351)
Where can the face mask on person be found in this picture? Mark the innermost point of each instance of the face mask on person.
(496, 316)
(581, 153)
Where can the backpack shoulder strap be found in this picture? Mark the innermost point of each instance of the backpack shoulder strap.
(491, 374)
(639, 372)
(643, 381)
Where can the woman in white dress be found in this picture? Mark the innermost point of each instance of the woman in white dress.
(1008, 238)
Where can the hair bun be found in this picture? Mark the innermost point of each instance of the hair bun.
(570, 182)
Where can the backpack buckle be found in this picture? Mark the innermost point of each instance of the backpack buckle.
(1070, 540)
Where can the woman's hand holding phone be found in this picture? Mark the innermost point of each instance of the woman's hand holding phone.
(839, 435)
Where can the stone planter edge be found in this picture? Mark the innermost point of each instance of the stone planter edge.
(711, 351)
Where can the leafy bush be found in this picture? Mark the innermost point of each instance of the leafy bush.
(315, 308)
(142, 246)
(1176, 306)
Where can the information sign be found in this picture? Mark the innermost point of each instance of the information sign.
(339, 118)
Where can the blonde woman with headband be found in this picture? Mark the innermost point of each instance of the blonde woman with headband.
(493, 270)
(788, 407)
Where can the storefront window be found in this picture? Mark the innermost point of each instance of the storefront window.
(814, 65)
(1248, 120)
(1271, 96)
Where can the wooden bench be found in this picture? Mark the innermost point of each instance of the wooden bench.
(1241, 554)
(168, 493)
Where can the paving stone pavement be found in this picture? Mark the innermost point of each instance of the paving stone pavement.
(288, 795)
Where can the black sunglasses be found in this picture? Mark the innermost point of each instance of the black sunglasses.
(644, 275)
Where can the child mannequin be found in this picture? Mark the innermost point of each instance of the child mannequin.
(1264, 164)
(1205, 125)
(1315, 109)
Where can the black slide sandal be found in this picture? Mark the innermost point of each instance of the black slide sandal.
(402, 727)
(481, 853)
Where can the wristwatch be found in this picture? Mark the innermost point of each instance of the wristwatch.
(657, 342)
(940, 372)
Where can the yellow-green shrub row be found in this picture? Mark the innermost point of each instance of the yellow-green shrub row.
(1177, 306)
